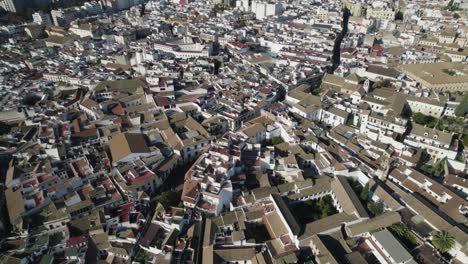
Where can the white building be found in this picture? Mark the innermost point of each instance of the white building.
(264, 9)
(121, 4)
(334, 116)
(426, 106)
(42, 18)
(437, 143)
(14, 6)
(62, 17)
(92, 8)
(387, 249)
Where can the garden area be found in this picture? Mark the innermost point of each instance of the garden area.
(447, 123)
(435, 170)
(142, 256)
(455, 124)
(312, 210)
(425, 120)
(404, 234)
(168, 199)
(256, 232)
(372, 207)
(450, 72)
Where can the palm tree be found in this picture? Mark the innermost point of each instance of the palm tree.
(404, 232)
(443, 241)
(400, 229)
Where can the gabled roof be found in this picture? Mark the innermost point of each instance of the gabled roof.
(233, 254)
(348, 198)
(333, 80)
(381, 221)
(120, 85)
(15, 204)
(124, 144)
(432, 134)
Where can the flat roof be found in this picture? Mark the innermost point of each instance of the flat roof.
(392, 246)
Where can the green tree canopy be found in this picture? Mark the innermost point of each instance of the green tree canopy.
(375, 208)
(326, 207)
(443, 241)
(465, 140)
(424, 120)
(439, 167)
(350, 120)
(403, 230)
(400, 229)
(462, 108)
(169, 198)
(142, 256)
(364, 195)
(276, 140)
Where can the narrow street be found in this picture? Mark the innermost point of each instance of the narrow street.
(336, 58)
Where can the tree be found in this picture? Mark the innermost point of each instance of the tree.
(439, 167)
(386, 83)
(399, 15)
(465, 140)
(456, 16)
(450, 72)
(30, 99)
(169, 198)
(325, 206)
(276, 140)
(364, 195)
(142, 256)
(403, 232)
(375, 208)
(443, 241)
(242, 23)
(424, 120)
(316, 91)
(350, 120)
(400, 229)
(462, 108)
